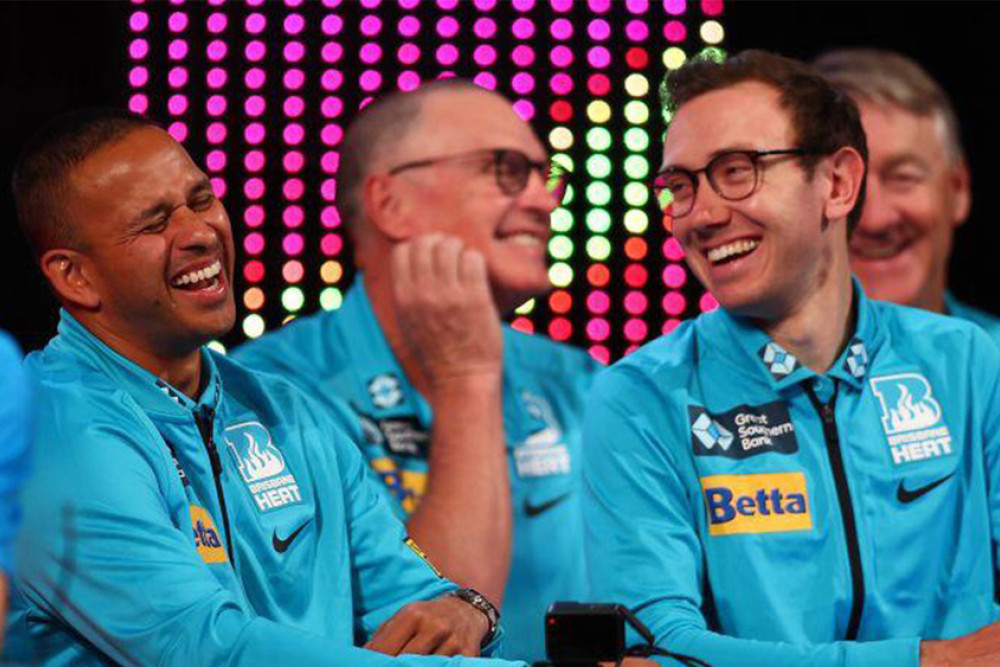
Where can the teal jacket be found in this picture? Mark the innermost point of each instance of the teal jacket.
(754, 512)
(239, 529)
(16, 434)
(989, 322)
(342, 357)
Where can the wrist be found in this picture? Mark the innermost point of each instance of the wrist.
(484, 608)
(932, 655)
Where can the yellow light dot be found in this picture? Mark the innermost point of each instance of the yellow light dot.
(560, 274)
(673, 58)
(599, 111)
(331, 272)
(712, 32)
(636, 221)
(217, 346)
(636, 112)
(525, 307)
(288, 318)
(254, 298)
(253, 326)
(636, 85)
(560, 138)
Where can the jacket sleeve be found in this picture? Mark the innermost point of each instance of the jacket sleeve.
(109, 562)
(986, 373)
(16, 430)
(644, 551)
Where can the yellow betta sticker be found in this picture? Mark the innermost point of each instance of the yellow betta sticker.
(420, 552)
(207, 537)
(767, 503)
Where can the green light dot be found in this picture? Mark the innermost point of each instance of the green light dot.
(562, 220)
(560, 138)
(636, 85)
(570, 194)
(526, 307)
(636, 139)
(330, 298)
(598, 193)
(636, 221)
(217, 346)
(636, 112)
(598, 166)
(636, 167)
(636, 194)
(560, 247)
(712, 53)
(674, 57)
(598, 248)
(253, 326)
(564, 160)
(598, 139)
(598, 220)
(292, 299)
(560, 274)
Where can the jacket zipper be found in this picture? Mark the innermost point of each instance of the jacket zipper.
(205, 420)
(828, 416)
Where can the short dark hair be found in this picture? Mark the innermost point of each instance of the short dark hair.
(824, 119)
(40, 176)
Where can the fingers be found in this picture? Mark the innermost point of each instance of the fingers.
(392, 635)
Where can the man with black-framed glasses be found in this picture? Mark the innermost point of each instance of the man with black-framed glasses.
(473, 428)
(803, 476)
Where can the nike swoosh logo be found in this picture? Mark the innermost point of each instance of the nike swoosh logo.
(281, 545)
(905, 496)
(535, 510)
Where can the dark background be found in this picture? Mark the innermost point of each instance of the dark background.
(56, 56)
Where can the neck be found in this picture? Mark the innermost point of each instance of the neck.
(378, 285)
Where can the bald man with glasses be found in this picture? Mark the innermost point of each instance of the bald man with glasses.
(473, 428)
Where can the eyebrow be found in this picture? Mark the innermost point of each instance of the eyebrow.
(711, 156)
(161, 207)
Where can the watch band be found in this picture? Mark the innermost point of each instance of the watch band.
(480, 602)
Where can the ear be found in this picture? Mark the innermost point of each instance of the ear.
(69, 274)
(960, 183)
(847, 172)
(385, 211)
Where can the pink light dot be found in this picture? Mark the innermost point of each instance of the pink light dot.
(138, 49)
(329, 189)
(254, 160)
(707, 303)
(371, 26)
(294, 23)
(255, 78)
(598, 329)
(293, 161)
(561, 56)
(294, 52)
(523, 83)
(523, 55)
(294, 106)
(675, 7)
(256, 23)
(293, 3)
(216, 50)
(254, 133)
(408, 53)
(331, 245)
(215, 133)
(598, 303)
(294, 79)
(254, 243)
(218, 186)
(370, 4)
(636, 303)
(524, 109)
(408, 80)
(447, 27)
(138, 103)
(447, 54)
(636, 330)
(331, 107)
(254, 188)
(255, 105)
(216, 160)
(332, 52)
(599, 57)
(332, 78)
(561, 84)
(293, 272)
(408, 26)
(139, 21)
(332, 3)
(177, 49)
(636, 30)
(561, 29)
(217, 22)
(371, 53)
(329, 217)
(484, 28)
(637, 6)
(370, 80)
(562, 6)
(523, 28)
(254, 215)
(672, 250)
(177, 77)
(177, 22)
(485, 5)
(177, 105)
(599, 30)
(711, 7)
(331, 134)
(293, 134)
(670, 325)
(485, 80)
(293, 189)
(330, 162)
(332, 25)
(600, 353)
(674, 303)
(255, 3)
(484, 55)
(675, 31)
(446, 74)
(293, 216)
(524, 5)
(523, 324)
(674, 276)
(447, 5)
(559, 328)
(255, 51)
(138, 77)
(599, 6)
(409, 4)
(178, 131)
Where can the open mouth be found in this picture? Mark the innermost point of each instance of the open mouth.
(730, 252)
(876, 250)
(525, 240)
(207, 278)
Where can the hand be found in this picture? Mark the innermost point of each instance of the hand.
(445, 309)
(979, 649)
(445, 626)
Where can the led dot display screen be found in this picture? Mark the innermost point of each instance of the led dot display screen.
(260, 93)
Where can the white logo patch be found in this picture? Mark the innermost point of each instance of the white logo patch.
(543, 453)
(911, 418)
(385, 391)
(262, 466)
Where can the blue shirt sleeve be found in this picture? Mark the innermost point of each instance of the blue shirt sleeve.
(16, 433)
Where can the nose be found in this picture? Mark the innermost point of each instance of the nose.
(879, 214)
(194, 231)
(537, 195)
(708, 211)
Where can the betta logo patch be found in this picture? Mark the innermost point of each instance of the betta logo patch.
(766, 503)
(744, 431)
(207, 539)
(911, 418)
(262, 466)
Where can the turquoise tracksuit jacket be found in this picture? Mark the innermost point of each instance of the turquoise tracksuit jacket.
(989, 322)
(754, 512)
(239, 529)
(343, 357)
(16, 424)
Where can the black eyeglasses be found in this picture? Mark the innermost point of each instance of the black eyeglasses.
(511, 169)
(734, 175)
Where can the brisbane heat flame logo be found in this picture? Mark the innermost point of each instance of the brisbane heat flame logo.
(911, 418)
(255, 453)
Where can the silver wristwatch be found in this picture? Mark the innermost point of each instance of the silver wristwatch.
(479, 601)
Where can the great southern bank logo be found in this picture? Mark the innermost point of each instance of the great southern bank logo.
(911, 417)
(262, 466)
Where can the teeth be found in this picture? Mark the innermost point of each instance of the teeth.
(735, 248)
(198, 276)
(527, 240)
(875, 251)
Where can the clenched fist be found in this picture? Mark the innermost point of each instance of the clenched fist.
(445, 626)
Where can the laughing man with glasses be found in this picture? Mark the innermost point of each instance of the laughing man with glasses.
(473, 428)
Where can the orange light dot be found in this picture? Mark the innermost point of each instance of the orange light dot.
(636, 248)
(331, 272)
(560, 302)
(253, 298)
(598, 275)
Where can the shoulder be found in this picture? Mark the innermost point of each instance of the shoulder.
(666, 363)
(298, 346)
(931, 334)
(538, 354)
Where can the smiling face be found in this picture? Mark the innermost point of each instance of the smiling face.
(917, 196)
(764, 255)
(156, 245)
(461, 197)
